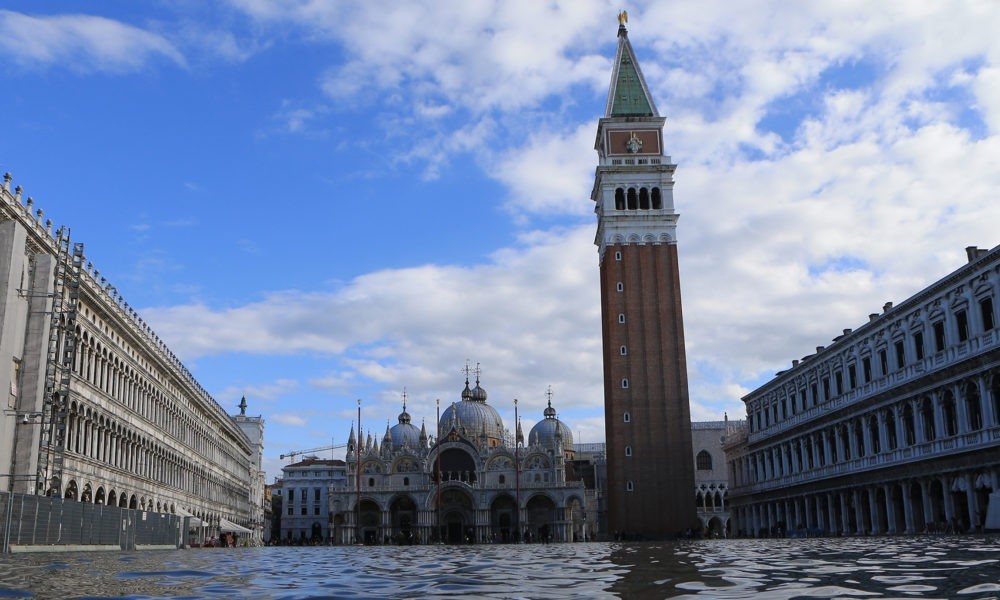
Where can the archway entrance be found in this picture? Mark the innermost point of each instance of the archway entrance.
(404, 517)
(368, 519)
(457, 517)
(540, 516)
(503, 519)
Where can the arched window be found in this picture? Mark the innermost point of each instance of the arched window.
(623, 351)
(618, 255)
(628, 418)
(371, 482)
(633, 201)
(406, 481)
(704, 461)
(629, 486)
(621, 317)
(657, 200)
(643, 198)
(619, 199)
(503, 479)
(628, 450)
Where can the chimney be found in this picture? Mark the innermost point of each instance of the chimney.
(872, 317)
(972, 253)
(886, 306)
(795, 363)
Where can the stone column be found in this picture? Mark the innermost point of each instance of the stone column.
(890, 510)
(845, 518)
(907, 509)
(852, 438)
(883, 434)
(986, 404)
(970, 497)
(898, 421)
(810, 522)
(949, 501)
(859, 513)
(925, 497)
(961, 410)
(876, 526)
(831, 514)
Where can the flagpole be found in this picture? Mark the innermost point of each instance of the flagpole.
(437, 510)
(358, 482)
(517, 476)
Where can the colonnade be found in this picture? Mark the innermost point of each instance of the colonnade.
(953, 502)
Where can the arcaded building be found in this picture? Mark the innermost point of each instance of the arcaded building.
(894, 427)
(98, 408)
(646, 409)
(469, 481)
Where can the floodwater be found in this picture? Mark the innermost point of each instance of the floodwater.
(896, 567)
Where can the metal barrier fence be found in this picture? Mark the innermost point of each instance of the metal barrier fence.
(39, 521)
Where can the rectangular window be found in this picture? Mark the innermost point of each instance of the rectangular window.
(900, 354)
(291, 495)
(815, 393)
(918, 345)
(826, 388)
(291, 511)
(316, 494)
(962, 320)
(986, 308)
(838, 379)
(883, 362)
(305, 511)
(852, 376)
(866, 367)
(315, 510)
(939, 336)
(802, 397)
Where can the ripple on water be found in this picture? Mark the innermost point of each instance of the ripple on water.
(797, 568)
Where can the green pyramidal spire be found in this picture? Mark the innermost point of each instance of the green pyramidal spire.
(629, 96)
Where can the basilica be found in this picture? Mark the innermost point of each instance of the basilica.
(471, 482)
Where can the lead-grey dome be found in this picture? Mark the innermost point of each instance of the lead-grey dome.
(405, 432)
(472, 416)
(544, 431)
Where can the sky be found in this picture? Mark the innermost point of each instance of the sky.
(317, 202)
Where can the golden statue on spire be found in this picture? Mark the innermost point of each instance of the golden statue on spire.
(623, 18)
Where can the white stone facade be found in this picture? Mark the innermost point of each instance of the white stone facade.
(894, 428)
(98, 409)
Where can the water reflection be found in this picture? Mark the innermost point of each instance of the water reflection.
(939, 567)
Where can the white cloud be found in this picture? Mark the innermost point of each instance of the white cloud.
(530, 317)
(266, 392)
(293, 420)
(81, 42)
(786, 237)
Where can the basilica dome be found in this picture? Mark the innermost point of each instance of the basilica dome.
(405, 432)
(473, 416)
(544, 432)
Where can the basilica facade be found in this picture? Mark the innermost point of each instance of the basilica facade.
(470, 482)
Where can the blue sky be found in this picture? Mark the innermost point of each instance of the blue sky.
(315, 202)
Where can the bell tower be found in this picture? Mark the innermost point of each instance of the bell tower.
(646, 411)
